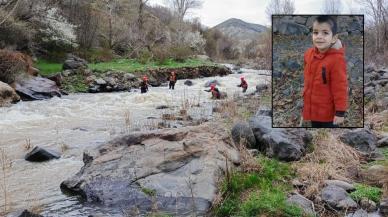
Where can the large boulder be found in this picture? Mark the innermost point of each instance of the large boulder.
(242, 134)
(176, 169)
(302, 202)
(73, 62)
(361, 139)
(336, 197)
(290, 28)
(7, 95)
(284, 144)
(36, 88)
(38, 154)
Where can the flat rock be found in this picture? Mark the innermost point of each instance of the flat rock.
(344, 185)
(337, 197)
(37, 88)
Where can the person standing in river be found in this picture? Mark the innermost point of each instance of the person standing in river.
(144, 85)
(172, 79)
(243, 84)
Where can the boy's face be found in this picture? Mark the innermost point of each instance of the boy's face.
(323, 36)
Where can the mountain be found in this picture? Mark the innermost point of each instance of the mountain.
(240, 30)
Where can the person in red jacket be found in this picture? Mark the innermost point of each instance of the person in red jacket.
(215, 92)
(325, 91)
(144, 85)
(243, 84)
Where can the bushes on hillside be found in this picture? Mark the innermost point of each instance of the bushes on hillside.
(13, 64)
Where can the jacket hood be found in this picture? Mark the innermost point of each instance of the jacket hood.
(331, 51)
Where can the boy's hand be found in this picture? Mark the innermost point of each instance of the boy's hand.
(338, 120)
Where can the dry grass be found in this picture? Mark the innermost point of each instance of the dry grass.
(331, 159)
(5, 166)
(378, 121)
(27, 146)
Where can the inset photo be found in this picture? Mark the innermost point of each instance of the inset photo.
(318, 67)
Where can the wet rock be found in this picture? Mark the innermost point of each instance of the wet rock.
(180, 166)
(382, 142)
(7, 95)
(129, 77)
(188, 83)
(36, 88)
(337, 197)
(302, 202)
(162, 107)
(100, 81)
(384, 207)
(282, 143)
(261, 87)
(264, 111)
(74, 62)
(242, 134)
(23, 213)
(361, 139)
(344, 185)
(40, 154)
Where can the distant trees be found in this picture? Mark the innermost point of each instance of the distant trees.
(182, 7)
(376, 34)
(280, 7)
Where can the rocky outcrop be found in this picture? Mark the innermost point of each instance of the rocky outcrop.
(361, 139)
(282, 143)
(376, 88)
(242, 134)
(177, 169)
(7, 95)
(73, 62)
(302, 202)
(36, 88)
(112, 81)
(337, 198)
(40, 154)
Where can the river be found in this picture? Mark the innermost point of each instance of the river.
(75, 123)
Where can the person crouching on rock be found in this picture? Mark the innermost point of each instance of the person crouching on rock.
(144, 85)
(172, 80)
(243, 84)
(215, 92)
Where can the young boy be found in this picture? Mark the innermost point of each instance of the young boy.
(325, 82)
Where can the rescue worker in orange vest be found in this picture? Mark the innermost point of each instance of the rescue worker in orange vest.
(243, 84)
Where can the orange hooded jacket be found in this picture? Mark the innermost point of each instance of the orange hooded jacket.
(325, 91)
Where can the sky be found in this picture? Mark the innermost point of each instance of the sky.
(214, 12)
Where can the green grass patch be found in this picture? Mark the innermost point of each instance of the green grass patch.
(132, 65)
(368, 192)
(75, 84)
(271, 202)
(149, 192)
(127, 65)
(265, 191)
(48, 68)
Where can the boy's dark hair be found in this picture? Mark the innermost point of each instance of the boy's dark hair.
(330, 20)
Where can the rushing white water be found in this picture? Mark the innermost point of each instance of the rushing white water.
(77, 122)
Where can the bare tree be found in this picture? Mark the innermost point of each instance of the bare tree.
(280, 7)
(377, 14)
(181, 7)
(332, 7)
(12, 4)
(140, 19)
